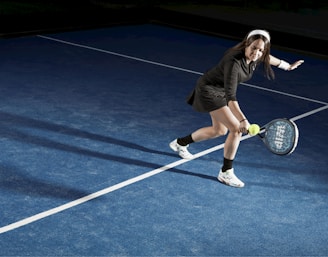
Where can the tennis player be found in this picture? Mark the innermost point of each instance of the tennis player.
(215, 93)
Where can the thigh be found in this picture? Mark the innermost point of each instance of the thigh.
(224, 117)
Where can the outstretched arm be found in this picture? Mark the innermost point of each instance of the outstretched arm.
(283, 64)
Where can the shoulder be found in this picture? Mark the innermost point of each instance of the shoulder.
(233, 60)
(234, 56)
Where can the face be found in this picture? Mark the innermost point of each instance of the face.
(254, 51)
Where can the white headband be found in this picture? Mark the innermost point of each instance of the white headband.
(259, 32)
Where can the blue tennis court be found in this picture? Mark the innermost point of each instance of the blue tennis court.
(86, 169)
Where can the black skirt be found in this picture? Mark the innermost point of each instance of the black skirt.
(207, 98)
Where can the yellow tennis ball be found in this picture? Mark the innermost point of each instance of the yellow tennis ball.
(253, 129)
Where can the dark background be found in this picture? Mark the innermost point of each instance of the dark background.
(301, 26)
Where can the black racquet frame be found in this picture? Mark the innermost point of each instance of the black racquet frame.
(280, 136)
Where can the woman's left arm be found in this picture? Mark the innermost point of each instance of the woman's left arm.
(283, 64)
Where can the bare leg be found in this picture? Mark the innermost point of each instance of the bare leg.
(222, 121)
(217, 129)
(226, 174)
(224, 118)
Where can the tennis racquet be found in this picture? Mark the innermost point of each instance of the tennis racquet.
(280, 136)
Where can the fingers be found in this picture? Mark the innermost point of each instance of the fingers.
(296, 64)
(243, 128)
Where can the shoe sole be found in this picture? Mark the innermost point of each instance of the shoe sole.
(224, 182)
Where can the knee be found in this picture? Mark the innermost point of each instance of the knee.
(222, 131)
(235, 130)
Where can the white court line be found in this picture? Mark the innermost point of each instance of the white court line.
(87, 198)
(286, 94)
(171, 67)
(309, 113)
(117, 54)
(125, 183)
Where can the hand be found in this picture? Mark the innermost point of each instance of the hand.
(295, 64)
(243, 126)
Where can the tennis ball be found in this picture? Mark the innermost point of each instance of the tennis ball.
(253, 129)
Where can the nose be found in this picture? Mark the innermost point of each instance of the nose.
(257, 51)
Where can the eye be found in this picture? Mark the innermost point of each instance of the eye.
(260, 49)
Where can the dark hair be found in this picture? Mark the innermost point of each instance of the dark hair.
(265, 58)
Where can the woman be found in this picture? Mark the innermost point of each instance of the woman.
(215, 93)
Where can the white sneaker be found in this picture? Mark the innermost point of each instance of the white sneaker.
(229, 178)
(182, 150)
